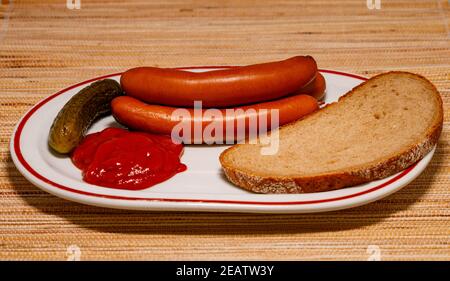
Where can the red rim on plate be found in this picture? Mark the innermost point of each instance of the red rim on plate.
(25, 164)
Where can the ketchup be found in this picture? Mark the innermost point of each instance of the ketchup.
(118, 158)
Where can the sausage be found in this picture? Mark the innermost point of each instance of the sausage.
(219, 88)
(158, 119)
(315, 88)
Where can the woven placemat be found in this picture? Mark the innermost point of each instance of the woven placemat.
(45, 46)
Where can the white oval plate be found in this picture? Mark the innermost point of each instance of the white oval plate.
(202, 187)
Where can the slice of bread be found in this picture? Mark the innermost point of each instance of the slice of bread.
(377, 129)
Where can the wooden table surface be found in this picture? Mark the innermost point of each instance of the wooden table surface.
(44, 47)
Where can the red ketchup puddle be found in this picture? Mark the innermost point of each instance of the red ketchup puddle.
(118, 158)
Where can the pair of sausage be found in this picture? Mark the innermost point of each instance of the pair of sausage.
(260, 86)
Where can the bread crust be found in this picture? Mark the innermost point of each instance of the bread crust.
(337, 180)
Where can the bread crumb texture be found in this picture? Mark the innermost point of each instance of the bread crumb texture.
(379, 128)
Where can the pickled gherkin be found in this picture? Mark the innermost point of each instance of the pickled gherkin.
(77, 115)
